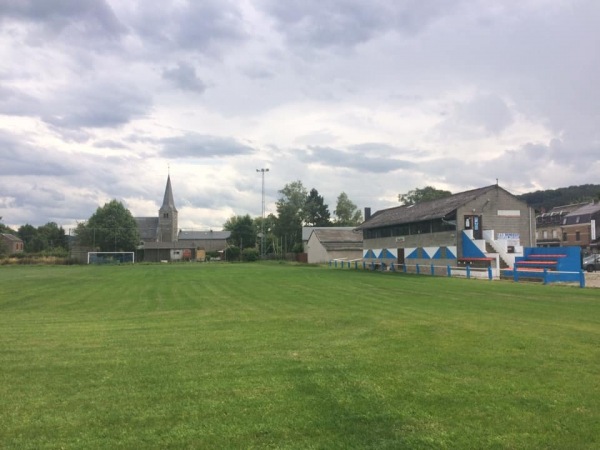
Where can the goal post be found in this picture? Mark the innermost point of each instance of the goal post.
(110, 257)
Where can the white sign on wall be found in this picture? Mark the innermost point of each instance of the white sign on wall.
(509, 236)
(509, 212)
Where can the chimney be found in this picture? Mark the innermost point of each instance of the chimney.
(367, 213)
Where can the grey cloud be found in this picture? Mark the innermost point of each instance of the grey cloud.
(91, 18)
(109, 143)
(317, 137)
(383, 149)
(184, 77)
(203, 146)
(194, 26)
(22, 158)
(258, 73)
(330, 23)
(359, 161)
(97, 105)
(487, 111)
(16, 102)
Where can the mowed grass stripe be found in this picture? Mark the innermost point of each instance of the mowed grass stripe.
(272, 355)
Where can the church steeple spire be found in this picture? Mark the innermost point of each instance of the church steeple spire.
(168, 202)
(167, 216)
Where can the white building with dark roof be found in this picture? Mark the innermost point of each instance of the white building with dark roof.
(327, 244)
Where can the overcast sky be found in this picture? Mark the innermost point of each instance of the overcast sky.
(100, 99)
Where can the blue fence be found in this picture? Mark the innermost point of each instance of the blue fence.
(547, 276)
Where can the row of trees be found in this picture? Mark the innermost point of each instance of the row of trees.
(113, 228)
(296, 207)
(45, 239)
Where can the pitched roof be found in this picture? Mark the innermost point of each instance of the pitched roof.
(203, 235)
(337, 235)
(11, 237)
(147, 227)
(339, 238)
(583, 214)
(168, 201)
(307, 231)
(434, 209)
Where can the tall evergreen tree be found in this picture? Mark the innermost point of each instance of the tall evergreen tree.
(316, 212)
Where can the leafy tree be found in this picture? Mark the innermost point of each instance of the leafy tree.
(316, 212)
(425, 194)
(47, 237)
(346, 212)
(5, 229)
(290, 207)
(28, 233)
(243, 232)
(53, 236)
(111, 228)
(266, 225)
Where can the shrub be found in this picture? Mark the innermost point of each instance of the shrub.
(249, 254)
(232, 253)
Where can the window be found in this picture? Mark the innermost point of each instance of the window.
(165, 215)
(545, 234)
(554, 234)
(577, 236)
(564, 236)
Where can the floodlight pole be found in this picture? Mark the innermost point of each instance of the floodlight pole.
(262, 222)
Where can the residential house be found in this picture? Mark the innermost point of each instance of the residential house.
(549, 231)
(581, 227)
(14, 244)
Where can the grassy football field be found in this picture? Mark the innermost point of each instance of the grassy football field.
(254, 356)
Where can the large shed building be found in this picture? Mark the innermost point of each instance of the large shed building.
(469, 224)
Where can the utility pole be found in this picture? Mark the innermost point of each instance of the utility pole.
(262, 222)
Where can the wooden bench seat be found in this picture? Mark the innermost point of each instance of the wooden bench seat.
(536, 263)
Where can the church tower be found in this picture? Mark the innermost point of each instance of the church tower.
(167, 216)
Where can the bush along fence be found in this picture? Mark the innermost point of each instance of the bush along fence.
(546, 276)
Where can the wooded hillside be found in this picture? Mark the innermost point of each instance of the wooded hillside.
(549, 198)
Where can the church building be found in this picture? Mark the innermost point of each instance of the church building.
(162, 240)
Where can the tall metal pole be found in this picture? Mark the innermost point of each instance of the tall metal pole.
(262, 222)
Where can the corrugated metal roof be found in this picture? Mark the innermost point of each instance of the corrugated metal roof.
(339, 239)
(307, 231)
(338, 235)
(433, 209)
(203, 235)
